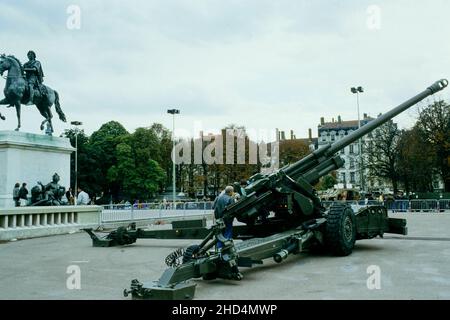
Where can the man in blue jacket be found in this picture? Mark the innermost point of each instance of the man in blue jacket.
(221, 202)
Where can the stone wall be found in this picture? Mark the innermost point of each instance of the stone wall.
(28, 157)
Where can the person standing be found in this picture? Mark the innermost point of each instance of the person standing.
(16, 194)
(83, 197)
(69, 196)
(23, 195)
(222, 201)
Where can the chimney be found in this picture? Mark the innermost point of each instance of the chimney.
(365, 115)
(339, 119)
(310, 134)
(283, 137)
(292, 134)
(322, 121)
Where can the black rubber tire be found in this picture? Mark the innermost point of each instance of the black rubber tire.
(189, 253)
(340, 230)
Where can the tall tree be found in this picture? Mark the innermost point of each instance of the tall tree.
(434, 125)
(415, 161)
(164, 137)
(103, 144)
(381, 153)
(140, 178)
(292, 151)
(86, 168)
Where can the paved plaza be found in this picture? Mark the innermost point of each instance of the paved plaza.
(412, 267)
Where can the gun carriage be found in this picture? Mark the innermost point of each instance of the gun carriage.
(280, 215)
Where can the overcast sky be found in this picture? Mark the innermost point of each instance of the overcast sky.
(261, 64)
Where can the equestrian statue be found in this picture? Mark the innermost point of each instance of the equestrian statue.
(24, 85)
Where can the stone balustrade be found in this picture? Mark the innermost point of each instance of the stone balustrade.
(29, 222)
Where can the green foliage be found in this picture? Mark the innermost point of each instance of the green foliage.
(87, 170)
(138, 175)
(326, 182)
(122, 165)
(154, 142)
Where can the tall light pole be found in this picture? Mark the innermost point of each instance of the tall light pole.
(76, 124)
(357, 90)
(173, 112)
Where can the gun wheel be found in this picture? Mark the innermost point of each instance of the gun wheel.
(190, 253)
(340, 231)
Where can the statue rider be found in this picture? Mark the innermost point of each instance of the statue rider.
(33, 74)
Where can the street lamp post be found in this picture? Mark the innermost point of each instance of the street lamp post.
(357, 90)
(76, 123)
(173, 112)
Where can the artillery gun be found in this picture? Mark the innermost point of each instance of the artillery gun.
(297, 222)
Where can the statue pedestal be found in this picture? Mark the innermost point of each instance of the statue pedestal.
(28, 157)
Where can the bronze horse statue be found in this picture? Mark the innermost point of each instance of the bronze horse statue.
(17, 93)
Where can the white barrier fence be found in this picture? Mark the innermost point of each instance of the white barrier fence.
(416, 205)
(144, 211)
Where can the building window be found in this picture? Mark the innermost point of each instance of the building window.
(352, 163)
(352, 177)
(351, 149)
(343, 151)
(343, 177)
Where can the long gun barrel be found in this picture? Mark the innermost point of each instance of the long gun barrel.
(318, 157)
(263, 192)
(282, 215)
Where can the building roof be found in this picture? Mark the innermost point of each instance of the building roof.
(344, 124)
(306, 141)
(339, 125)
